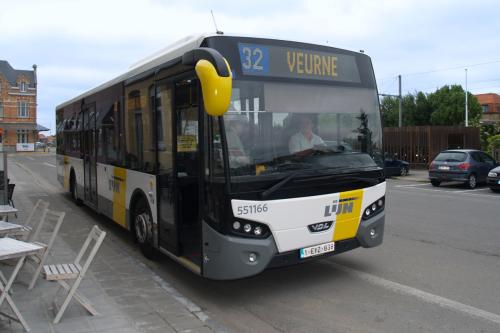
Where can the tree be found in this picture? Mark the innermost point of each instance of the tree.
(493, 143)
(389, 107)
(423, 110)
(486, 131)
(448, 106)
(409, 110)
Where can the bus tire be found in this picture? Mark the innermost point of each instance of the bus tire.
(72, 188)
(143, 229)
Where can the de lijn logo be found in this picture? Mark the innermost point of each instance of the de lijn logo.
(343, 206)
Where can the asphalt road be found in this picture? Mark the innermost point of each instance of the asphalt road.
(438, 270)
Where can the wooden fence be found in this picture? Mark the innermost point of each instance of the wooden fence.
(420, 144)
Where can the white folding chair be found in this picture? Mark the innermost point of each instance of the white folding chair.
(38, 260)
(30, 226)
(75, 271)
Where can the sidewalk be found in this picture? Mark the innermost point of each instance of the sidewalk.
(415, 176)
(129, 296)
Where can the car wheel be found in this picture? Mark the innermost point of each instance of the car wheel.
(472, 181)
(403, 171)
(435, 183)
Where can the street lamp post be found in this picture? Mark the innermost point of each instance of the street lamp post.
(466, 104)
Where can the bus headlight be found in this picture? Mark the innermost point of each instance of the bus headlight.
(247, 227)
(374, 208)
(250, 229)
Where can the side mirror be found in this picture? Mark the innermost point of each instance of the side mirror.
(215, 76)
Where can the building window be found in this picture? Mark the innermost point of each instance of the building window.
(1, 109)
(22, 109)
(23, 87)
(22, 136)
(485, 108)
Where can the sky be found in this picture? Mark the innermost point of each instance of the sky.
(78, 45)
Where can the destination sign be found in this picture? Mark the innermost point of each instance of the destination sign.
(286, 62)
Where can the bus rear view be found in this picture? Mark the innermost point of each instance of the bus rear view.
(296, 161)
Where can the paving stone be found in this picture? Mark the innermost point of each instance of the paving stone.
(152, 320)
(203, 329)
(75, 325)
(116, 322)
(124, 291)
(163, 329)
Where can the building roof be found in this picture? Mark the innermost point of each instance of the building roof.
(490, 98)
(41, 128)
(12, 74)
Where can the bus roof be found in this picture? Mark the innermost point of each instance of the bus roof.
(175, 50)
(171, 52)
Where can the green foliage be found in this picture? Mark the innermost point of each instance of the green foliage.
(486, 131)
(445, 106)
(423, 110)
(493, 143)
(449, 107)
(389, 109)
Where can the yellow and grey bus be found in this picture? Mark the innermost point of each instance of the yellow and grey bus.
(232, 154)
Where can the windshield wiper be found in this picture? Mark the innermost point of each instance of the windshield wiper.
(278, 185)
(343, 179)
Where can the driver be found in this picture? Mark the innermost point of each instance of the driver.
(305, 139)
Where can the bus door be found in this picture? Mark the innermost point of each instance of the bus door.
(89, 154)
(180, 224)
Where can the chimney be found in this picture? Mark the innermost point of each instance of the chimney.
(34, 74)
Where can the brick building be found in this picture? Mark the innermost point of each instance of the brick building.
(18, 127)
(491, 107)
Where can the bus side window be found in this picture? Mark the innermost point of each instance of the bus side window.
(140, 148)
(164, 128)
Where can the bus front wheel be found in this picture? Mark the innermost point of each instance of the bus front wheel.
(72, 189)
(143, 229)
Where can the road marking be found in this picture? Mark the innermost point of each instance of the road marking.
(477, 189)
(451, 192)
(412, 185)
(50, 165)
(420, 294)
(30, 158)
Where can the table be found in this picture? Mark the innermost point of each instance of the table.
(6, 210)
(14, 249)
(7, 228)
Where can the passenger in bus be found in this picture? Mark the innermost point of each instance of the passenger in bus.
(305, 140)
(238, 156)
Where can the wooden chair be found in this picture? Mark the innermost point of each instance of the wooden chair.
(34, 222)
(38, 260)
(75, 271)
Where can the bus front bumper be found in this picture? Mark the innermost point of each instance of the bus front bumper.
(227, 258)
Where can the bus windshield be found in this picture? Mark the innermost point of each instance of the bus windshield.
(273, 128)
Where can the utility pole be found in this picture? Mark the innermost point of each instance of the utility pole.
(401, 103)
(466, 103)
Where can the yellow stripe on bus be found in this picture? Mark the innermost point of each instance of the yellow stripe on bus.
(348, 214)
(119, 191)
(66, 170)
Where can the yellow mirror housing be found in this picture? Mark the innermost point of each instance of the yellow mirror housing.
(216, 89)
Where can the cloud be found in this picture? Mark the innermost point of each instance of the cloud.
(79, 44)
